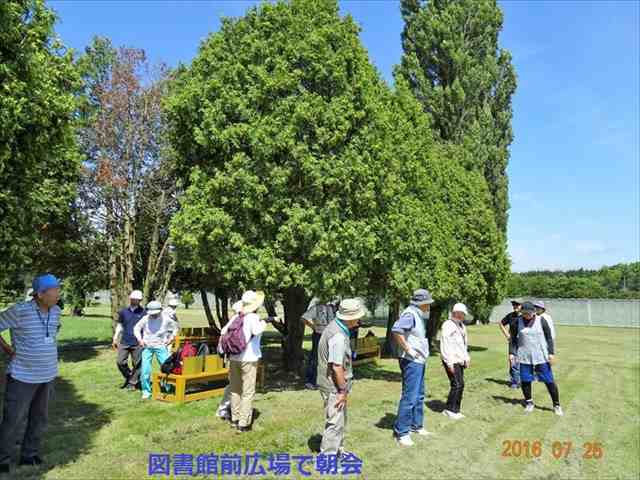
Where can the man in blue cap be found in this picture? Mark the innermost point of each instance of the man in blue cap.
(34, 326)
(410, 334)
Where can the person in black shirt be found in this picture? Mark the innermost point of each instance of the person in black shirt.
(505, 327)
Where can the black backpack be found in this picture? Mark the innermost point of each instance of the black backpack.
(172, 362)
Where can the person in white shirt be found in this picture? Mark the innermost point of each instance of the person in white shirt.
(170, 311)
(455, 357)
(541, 310)
(154, 332)
(243, 366)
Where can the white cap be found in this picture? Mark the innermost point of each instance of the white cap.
(460, 307)
(136, 295)
(173, 302)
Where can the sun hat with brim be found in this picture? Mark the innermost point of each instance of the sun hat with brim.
(516, 301)
(136, 295)
(154, 307)
(539, 304)
(43, 283)
(350, 309)
(251, 301)
(237, 307)
(421, 297)
(528, 307)
(173, 302)
(460, 307)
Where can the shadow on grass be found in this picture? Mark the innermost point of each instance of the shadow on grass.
(518, 401)
(373, 372)
(498, 381)
(73, 423)
(437, 406)
(475, 348)
(77, 352)
(386, 422)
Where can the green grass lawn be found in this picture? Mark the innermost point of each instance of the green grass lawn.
(99, 431)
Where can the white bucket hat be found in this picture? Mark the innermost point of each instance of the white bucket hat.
(136, 295)
(251, 301)
(154, 308)
(460, 307)
(350, 309)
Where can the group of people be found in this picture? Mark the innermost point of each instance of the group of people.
(143, 333)
(531, 334)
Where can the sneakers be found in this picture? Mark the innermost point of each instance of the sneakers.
(558, 410)
(514, 386)
(310, 386)
(405, 441)
(146, 396)
(422, 432)
(452, 415)
(529, 408)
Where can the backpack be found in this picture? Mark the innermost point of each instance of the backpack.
(173, 364)
(203, 350)
(233, 341)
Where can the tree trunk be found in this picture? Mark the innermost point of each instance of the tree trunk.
(434, 323)
(166, 278)
(207, 308)
(394, 312)
(295, 303)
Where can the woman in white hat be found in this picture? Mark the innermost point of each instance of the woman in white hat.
(455, 357)
(243, 366)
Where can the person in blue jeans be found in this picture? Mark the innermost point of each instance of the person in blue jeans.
(154, 332)
(317, 317)
(505, 327)
(410, 334)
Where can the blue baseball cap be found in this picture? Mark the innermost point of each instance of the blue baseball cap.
(45, 282)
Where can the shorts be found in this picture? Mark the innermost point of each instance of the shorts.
(542, 371)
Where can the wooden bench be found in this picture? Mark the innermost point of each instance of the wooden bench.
(180, 383)
(367, 354)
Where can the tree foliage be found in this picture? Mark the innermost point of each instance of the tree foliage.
(38, 157)
(465, 81)
(617, 281)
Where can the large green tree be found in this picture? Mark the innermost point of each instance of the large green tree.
(465, 81)
(38, 158)
(276, 123)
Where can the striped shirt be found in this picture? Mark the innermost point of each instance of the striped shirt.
(36, 359)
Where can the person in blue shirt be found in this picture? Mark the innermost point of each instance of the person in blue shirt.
(125, 342)
(31, 373)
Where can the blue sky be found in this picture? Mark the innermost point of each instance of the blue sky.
(574, 170)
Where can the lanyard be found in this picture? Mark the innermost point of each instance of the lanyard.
(46, 325)
(343, 327)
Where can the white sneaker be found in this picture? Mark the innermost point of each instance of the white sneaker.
(405, 441)
(459, 416)
(529, 407)
(422, 432)
(146, 396)
(558, 410)
(450, 414)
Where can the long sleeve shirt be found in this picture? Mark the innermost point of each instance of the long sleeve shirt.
(453, 343)
(156, 331)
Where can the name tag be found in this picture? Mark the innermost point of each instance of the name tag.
(49, 340)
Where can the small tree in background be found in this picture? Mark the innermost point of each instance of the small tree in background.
(187, 299)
